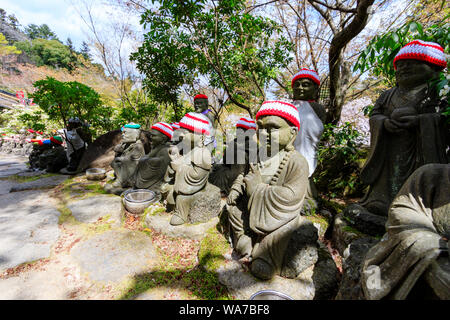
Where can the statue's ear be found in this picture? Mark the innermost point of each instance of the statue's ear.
(293, 131)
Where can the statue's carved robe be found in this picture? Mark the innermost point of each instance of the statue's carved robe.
(394, 156)
(418, 231)
(273, 211)
(151, 168)
(126, 160)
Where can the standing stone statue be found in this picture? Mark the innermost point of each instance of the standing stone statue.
(201, 106)
(236, 156)
(152, 167)
(128, 153)
(187, 186)
(413, 257)
(77, 138)
(266, 211)
(305, 85)
(407, 127)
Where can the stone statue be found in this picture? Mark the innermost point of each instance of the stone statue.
(413, 256)
(128, 153)
(407, 127)
(236, 156)
(187, 175)
(305, 85)
(177, 136)
(77, 138)
(48, 154)
(201, 106)
(152, 167)
(264, 205)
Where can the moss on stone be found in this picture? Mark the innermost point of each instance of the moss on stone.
(22, 179)
(212, 248)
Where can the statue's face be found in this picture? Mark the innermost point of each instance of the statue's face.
(412, 73)
(245, 138)
(305, 89)
(130, 134)
(158, 138)
(200, 105)
(275, 132)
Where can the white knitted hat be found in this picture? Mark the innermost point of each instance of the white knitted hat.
(421, 50)
(246, 123)
(306, 73)
(196, 122)
(282, 109)
(164, 128)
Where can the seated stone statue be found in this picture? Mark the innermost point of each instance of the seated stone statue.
(305, 85)
(266, 211)
(176, 137)
(48, 154)
(187, 186)
(413, 256)
(407, 127)
(152, 167)
(77, 138)
(128, 153)
(236, 156)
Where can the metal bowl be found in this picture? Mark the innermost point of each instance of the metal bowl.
(95, 174)
(136, 201)
(270, 295)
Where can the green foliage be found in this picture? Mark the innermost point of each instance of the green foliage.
(339, 158)
(382, 49)
(5, 49)
(219, 41)
(43, 31)
(63, 100)
(49, 52)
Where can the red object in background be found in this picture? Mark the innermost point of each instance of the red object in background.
(20, 94)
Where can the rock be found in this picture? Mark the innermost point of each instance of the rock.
(326, 275)
(353, 257)
(206, 204)
(28, 227)
(161, 223)
(44, 183)
(242, 284)
(90, 209)
(343, 234)
(364, 221)
(301, 252)
(115, 254)
(100, 153)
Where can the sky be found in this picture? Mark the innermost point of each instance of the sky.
(59, 15)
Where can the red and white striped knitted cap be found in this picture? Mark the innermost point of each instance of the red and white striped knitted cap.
(421, 50)
(201, 96)
(306, 73)
(196, 122)
(246, 123)
(175, 125)
(282, 109)
(164, 128)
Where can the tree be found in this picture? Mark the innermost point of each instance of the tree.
(48, 52)
(63, 100)
(69, 44)
(13, 22)
(85, 51)
(43, 31)
(222, 42)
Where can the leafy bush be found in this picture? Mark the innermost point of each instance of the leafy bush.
(63, 100)
(339, 161)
